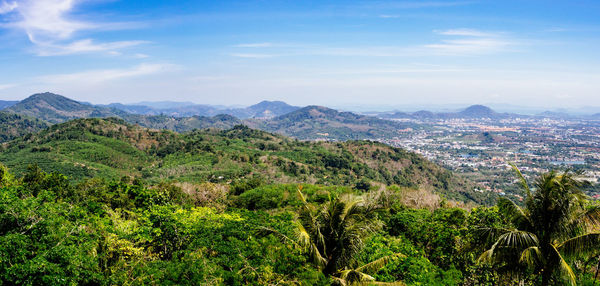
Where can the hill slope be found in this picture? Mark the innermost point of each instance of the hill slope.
(15, 125)
(7, 103)
(111, 148)
(55, 108)
(318, 122)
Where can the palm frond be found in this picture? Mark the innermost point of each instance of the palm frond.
(531, 256)
(522, 179)
(490, 234)
(564, 268)
(486, 256)
(580, 245)
(375, 265)
(516, 239)
(590, 218)
(514, 213)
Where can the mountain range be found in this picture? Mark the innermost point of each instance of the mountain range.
(306, 123)
(264, 109)
(311, 122)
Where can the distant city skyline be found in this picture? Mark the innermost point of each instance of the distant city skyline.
(340, 54)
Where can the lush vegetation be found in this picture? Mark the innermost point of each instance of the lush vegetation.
(111, 148)
(127, 232)
(318, 122)
(14, 126)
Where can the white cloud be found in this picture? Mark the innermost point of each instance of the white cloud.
(466, 33)
(6, 7)
(470, 42)
(99, 76)
(254, 45)
(52, 27)
(85, 46)
(253, 56)
(6, 86)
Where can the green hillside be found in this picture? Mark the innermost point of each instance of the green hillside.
(14, 125)
(111, 148)
(183, 124)
(318, 122)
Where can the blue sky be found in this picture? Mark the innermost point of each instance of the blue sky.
(370, 54)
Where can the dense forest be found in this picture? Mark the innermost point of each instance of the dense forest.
(54, 231)
(103, 202)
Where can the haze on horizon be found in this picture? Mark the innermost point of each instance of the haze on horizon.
(333, 53)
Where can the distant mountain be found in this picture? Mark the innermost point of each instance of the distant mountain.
(318, 122)
(15, 125)
(554, 114)
(478, 111)
(163, 104)
(7, 103)
(397, 115)
(135, 109)
(268, 109)
(424, 114)
(55, 108)
(264, 109)
(471, 112)
(184, 124)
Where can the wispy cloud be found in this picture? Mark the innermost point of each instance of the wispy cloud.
(254, 45)
(470, 42)
(85, 46)
(465, 32)
(416, 4)
(99, 76)
(252, 56)
(50, 25)
(6, 86)
(6, 7)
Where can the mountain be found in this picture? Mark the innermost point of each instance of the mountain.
(111, 148)
(55, 108)
(183, 124)
(318, 122)
(163, 104)
(478, 111)
(6, 103)
(267, 109)
(264, 109)
(15, 125)
(471, 112)
(135, 109)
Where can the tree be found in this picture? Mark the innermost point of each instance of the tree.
(332, 235)
(556, 222)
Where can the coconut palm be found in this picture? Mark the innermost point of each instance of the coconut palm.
(556, 222)
(332, 235)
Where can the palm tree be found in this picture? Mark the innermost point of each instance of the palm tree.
(556, 222)
(332, 235)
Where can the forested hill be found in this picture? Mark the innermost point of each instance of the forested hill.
(111, 148)
(308, 123)
(318, 122)
(15, 125)
(55, 108)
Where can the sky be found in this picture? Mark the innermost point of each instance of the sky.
(362, 54)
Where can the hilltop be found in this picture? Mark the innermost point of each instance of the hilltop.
(318, 122)
(308, 123)
(471, 112)
(55, 108)
(264, 109)
(111, 148)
